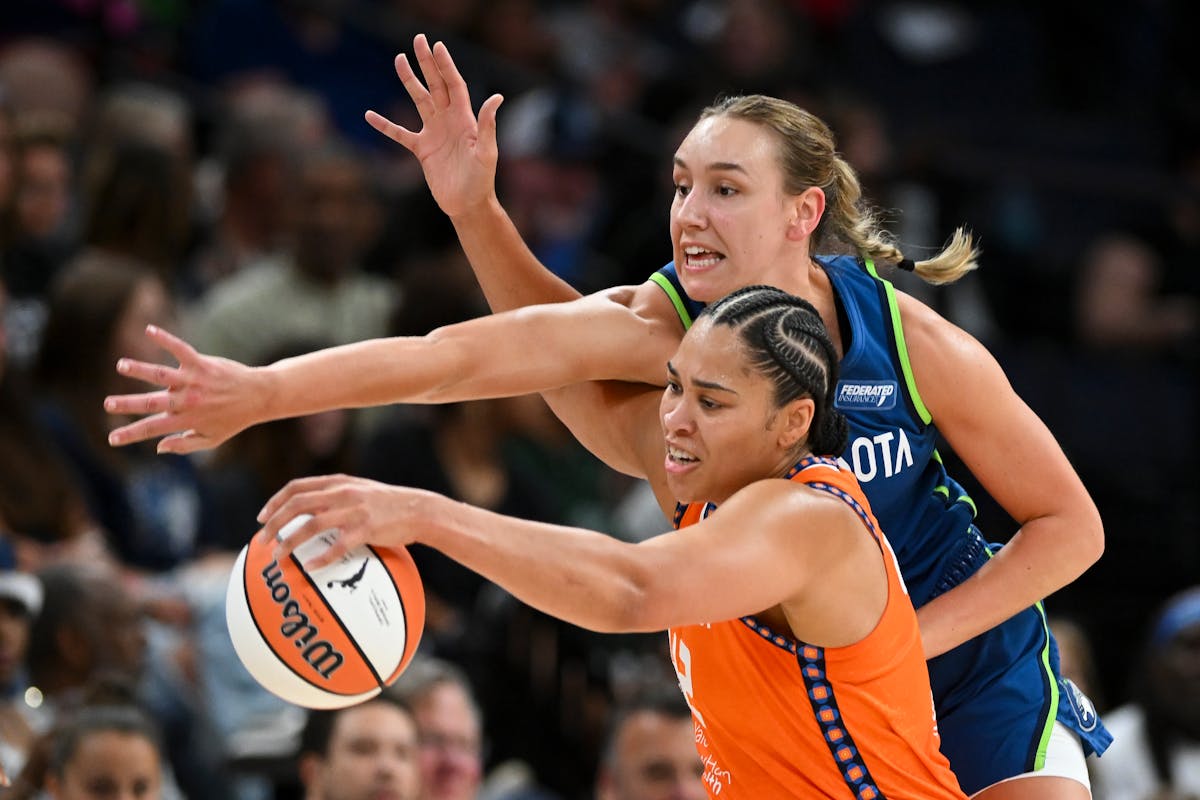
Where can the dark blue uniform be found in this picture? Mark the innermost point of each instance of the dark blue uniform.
(997, 695)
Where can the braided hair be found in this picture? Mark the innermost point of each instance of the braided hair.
(788, 344)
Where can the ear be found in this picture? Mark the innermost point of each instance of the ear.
(796, 419)
(807, 209)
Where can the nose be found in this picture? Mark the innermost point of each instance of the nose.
(675, 416)
(689, 210)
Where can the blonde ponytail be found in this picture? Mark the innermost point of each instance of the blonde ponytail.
(855, 223)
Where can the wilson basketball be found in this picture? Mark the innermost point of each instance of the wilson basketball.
(330, 638)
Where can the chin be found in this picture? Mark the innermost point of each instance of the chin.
(706, 288)
(685, 491)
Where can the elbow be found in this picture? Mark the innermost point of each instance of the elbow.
(1094, 537)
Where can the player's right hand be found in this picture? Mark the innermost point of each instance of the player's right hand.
(201, 403)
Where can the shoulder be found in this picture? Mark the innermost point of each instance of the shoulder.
(944, 357)
(778, 504)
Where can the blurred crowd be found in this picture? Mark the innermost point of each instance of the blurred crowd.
(203, 165)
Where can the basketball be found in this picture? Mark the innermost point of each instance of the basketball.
(330, 638)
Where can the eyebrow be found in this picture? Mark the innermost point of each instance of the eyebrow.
(716, 387)
(716, 166)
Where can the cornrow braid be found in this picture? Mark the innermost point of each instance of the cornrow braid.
(788, 343)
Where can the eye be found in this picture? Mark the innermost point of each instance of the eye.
(673, 386)
(726, 191)
(682, 189)
(708, 403)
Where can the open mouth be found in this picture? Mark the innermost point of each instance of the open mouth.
(696, 257)
(681, 457)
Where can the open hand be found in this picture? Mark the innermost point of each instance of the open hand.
(201, 403)
(361, 510)
(457, 151)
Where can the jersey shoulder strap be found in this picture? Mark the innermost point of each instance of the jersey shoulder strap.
(688, 309)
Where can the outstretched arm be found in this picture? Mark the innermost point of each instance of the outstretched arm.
(739, 561)
(206, 400)
(1016, 458)
(458, 155)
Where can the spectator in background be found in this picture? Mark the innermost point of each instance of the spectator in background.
(65, 759)
(137, 176)
(88, 628)
(133, 206)
(37, 234)
(105, 752)
(1125, 303)
(1156, 737)
(449, 729)
(318, 291)
(151, 507)
(42, 511)
(20, 601)
(365, 751)
(651, 750)
(249, 206)
(91, 637)
(37, 229)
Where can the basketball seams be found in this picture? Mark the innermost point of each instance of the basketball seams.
(328, 606)
(409, 643)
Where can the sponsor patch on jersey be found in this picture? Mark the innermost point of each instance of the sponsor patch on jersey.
(866, 395)
(1081, 705)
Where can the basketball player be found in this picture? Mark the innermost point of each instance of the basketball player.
(760, 191)
(792, 635)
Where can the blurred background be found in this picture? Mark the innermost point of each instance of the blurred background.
(204, 165)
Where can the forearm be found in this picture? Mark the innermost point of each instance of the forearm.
(369, 373)
(583, 577)
(1045, 555)
(508, 272)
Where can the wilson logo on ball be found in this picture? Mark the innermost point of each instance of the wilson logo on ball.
(323, 657)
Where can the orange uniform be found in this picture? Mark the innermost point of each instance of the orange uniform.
(780, 718)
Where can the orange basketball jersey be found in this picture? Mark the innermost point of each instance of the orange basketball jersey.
(779, 718)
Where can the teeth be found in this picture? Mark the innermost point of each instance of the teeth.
(679, 455)
(694, 251)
